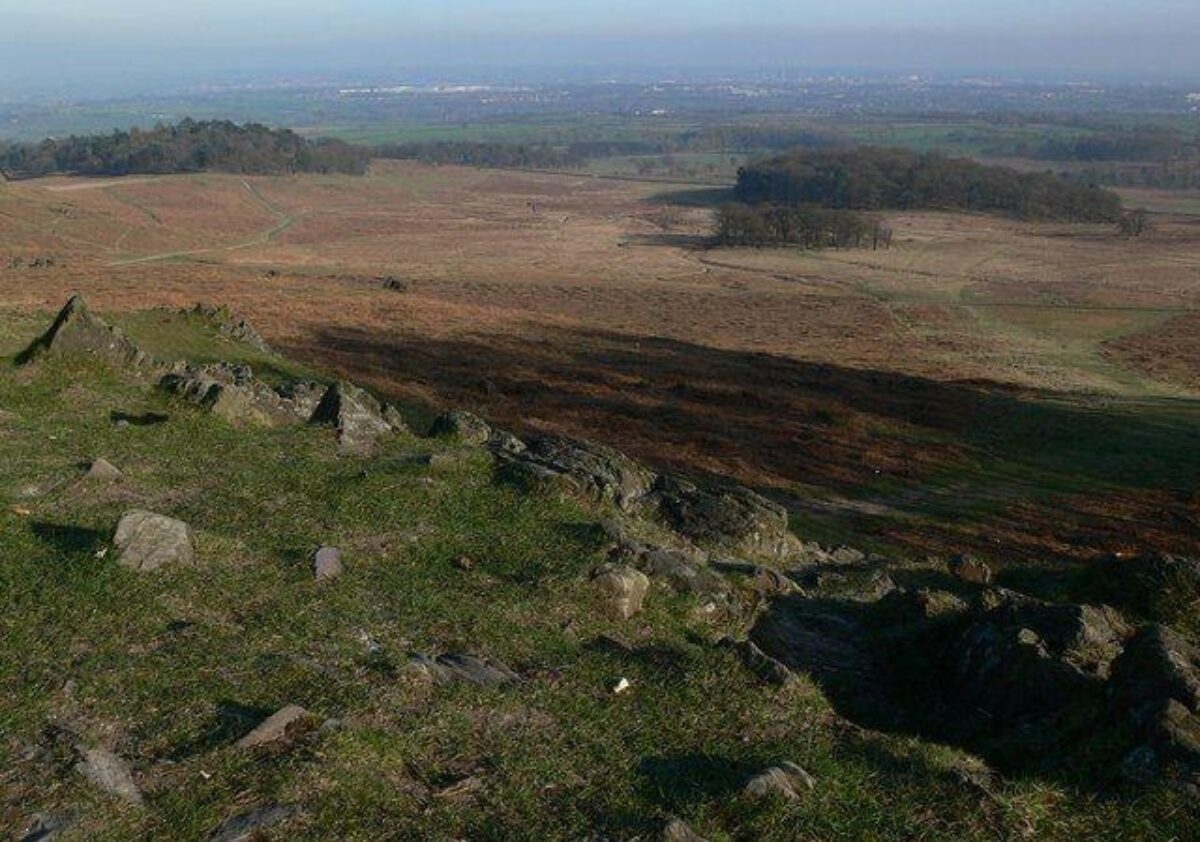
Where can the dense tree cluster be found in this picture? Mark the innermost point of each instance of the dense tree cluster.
(190, 146)
(875, 178)
(808, 227)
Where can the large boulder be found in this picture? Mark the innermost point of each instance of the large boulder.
(584, 467)
(360, 420)
(77, 331)
(146, 541)
(731, 517)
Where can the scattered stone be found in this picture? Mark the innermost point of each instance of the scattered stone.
(465, 562)
(77, 331)
(452, 667)
(677, 830)
(682, 572)
(327, 563)
(275, 727)
(108, 772)
(466, 427)
(47, 826)
(847, 556)
(783, 781)
(391, 282)
(624, 588)
(146, 541)
(245, 827)
(580, 466)
(622, 686)
(970, 569)
(102, 470)
(229, 325)
(731, 517)
(768, 669)
(360, 420)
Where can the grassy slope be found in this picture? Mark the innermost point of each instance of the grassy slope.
(154, 664)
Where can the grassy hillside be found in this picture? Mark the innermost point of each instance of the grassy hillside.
(170, 669)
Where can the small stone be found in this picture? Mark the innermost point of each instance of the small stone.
(624, 588)
(275, 727)
(327, 563)
(622, 686)
(108, 772)
(677, 830)
(454, 667)
(146, 541)
(246, 826)
(970, 569)
(465, 562)
(779, 782)
(47, 826)
(103, 471)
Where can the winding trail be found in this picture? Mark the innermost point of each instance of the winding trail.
(284, 220)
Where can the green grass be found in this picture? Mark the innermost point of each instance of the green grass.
(152, 664)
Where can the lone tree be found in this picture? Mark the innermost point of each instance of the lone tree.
(1134, 223)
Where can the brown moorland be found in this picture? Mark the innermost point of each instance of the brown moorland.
(1028, 390)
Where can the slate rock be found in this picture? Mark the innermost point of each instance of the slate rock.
(624, 589)
(731, 517)
(101, 470)
(360, 419)
(108, 772)
(146, 541)
(466, 427)
(275, 727)
(970, 569)
(677, 830)
(327, 563)
(785, 781)
(246, 826)
(588, 468)
(76, 331)
(468, 669)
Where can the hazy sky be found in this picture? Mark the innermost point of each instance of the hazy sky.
(86, 41)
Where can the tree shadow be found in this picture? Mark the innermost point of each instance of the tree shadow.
(66, 539)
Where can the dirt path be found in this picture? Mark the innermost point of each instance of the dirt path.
(284, 221)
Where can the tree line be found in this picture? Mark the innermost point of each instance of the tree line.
(807, 227)
(874, 178)
(189, 146)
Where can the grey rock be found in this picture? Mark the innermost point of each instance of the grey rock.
(731, 517)
(970, 569)
(360, 420)
(454, 667)
(233, 393)
(327, 563)
(808, 636)
(1156, 682)
(677, 830)
(108, 772)
(231, 326)
(682, 572)
(624, 589)
(784, 781)
(47, 826)
(146, 541)
(584, 467)
(466, 427)
(245, 827)
(102, 470)
(275, 727)
(76, 331)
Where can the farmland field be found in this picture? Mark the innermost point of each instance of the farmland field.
(1029, 390)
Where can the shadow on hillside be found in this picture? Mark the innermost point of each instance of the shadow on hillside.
(922, 449)
(69, 540)
(703, 197)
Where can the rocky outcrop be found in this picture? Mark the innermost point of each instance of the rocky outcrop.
(1156, 685)
(77, 331)
(231, 326)
(729, 516)
(359, 419)
(577, 466)
(233, 393)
